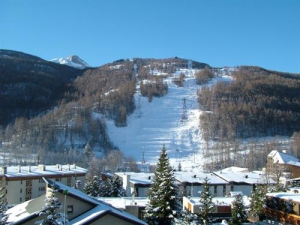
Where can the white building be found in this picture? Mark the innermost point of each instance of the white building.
(22, 183)
(240, 179)
(136, 183)
(191, 183)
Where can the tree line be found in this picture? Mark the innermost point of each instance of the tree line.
(257, 103)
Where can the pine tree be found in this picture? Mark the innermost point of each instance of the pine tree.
(162, 194)
(3, 207)
(105, 188)
(258, 201)
(207, 204)
(186, 218)
(237, 211)
(117, 188)
(92, 188)
(50, 210)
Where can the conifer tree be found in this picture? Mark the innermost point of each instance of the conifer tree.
(105, 188)
(237, 211)
(50, 210)
(207, 204)
(92, 187)
(3, 207)
(163, 205)
(117, 188)
(258, 201)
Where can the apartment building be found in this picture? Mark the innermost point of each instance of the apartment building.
(22, 183)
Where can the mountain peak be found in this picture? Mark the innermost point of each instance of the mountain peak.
(73, 61)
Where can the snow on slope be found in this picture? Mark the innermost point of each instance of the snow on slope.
(73, 61)
(158, 123)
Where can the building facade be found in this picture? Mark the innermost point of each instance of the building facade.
(22, 183)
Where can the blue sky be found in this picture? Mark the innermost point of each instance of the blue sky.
(263, 33)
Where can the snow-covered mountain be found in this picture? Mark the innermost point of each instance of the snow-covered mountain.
(73, 61)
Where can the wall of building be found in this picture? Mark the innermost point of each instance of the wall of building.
(78, 206)
(15, 191)
(295, 171)
(245, 189)
(109, 219)
(142, 191)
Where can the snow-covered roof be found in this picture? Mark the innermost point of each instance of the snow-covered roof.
(236, 169)
(295, 197)
(192, 177)
(293, 163)
(121, 203)
(41, 170)
(281, 157)
(25, 210)
(100, 208)
(254, 177)
(220, 201)
(138, 178)
(22, 211)
(180, 176)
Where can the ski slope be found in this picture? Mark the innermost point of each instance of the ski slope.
(159, 123)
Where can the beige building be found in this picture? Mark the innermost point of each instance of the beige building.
(79, 208)
(22, 183)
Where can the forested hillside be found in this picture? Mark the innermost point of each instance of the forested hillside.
(51, 113)
(58, 126)
(257, 103)
(30, 85)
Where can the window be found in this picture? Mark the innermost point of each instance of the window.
(224, 190)
(42, 188)
(20, 199)
(41, 180)
(21, 182)
(57, 179)
(21, 190)
(69, 181)
(70, 208)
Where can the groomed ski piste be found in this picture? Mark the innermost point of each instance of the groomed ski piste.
(171, 121)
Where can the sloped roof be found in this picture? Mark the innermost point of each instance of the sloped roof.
(295, 197)
(281, 157)
(254, 177)
(101, 208)
(31, 208)
(192, 177)
(26, 210)
(122, 202)
(219, 201)
(138, 178)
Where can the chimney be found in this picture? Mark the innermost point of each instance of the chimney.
(126, 184)
(42, 167)
(29, 169)
(19, 169)
(74, 166)
(4, 169)
(59, 167)
(69, 168)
